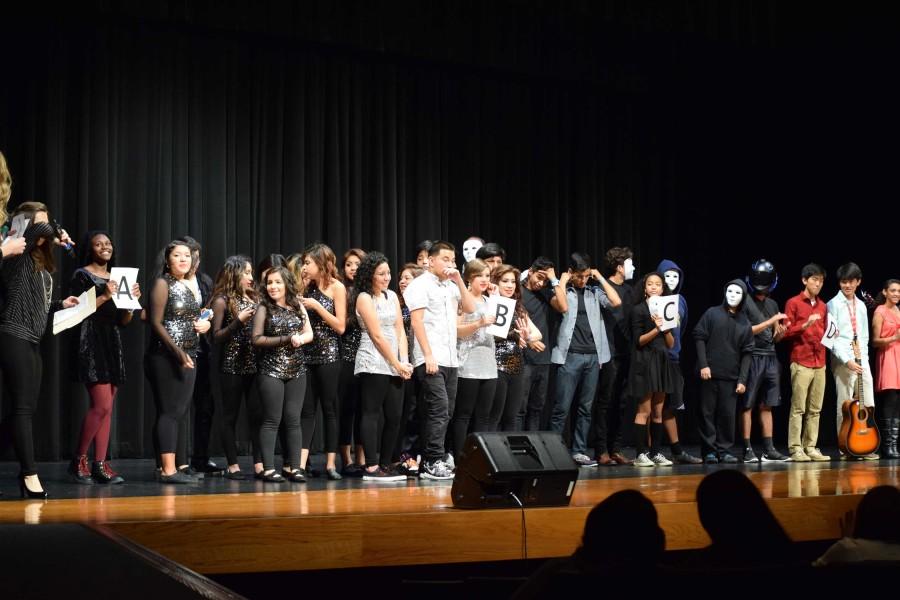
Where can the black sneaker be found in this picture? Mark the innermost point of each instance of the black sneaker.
(176, 477)
(207, 467)
(382, 474)
(352, 470)
(687, 459)
(750, 455)
(772, 455)
(711, 459)
(729, 459)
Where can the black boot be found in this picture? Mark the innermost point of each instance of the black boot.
(893, 452)
(103, 473)
(79, 472)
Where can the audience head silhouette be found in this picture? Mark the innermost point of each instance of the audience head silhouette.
(626, 521)
(878, 515)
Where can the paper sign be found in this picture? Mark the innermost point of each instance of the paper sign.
(18, 227)
(70, 317)
(124, 277)
(831, 334)
(665, 307)
(505, 311)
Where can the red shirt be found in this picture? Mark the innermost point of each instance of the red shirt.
(806, 344)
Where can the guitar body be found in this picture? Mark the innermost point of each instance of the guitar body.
(857, 438)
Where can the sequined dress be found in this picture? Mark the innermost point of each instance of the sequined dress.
(281, 361)
(238, 353)
(368, 358)
(178, 319)
(509, 354)
(326, 345)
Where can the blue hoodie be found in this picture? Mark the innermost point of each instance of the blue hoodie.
(669, 265)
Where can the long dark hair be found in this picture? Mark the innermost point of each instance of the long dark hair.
(229, 285)
(498, 274)
(641, 295)
(363, 282)
(325, 260)
(881, 299)
(162, 260)
(291, 295)
(43, 254)
(86, 251)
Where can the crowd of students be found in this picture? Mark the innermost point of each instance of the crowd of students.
(402, 378)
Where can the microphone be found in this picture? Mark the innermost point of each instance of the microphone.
(59, 234)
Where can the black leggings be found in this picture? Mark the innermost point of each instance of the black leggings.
(323, 387)
(350, 414)
(173, 386)
(409, 435)
(281, 398)
(380, 394)
(473, 396)
(234, 389)
(21, 363)
(506, 413)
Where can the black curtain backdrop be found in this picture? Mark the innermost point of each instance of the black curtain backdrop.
(709, 134)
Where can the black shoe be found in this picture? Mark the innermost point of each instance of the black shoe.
(729, 459)
(333, 475)
(296, 476)
(79, 471)
(273, 477)
(103, 473)
(259, 475)
(190, 472)
(178, 477)
(687, 459)
(711, 459)
(235, 476)
(352, 470)
(208, 467)
(750, 455)
(26, 493)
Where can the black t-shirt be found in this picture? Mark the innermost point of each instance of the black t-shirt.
(582, 338)
(538, 306)
(618, 320)
(757, 312)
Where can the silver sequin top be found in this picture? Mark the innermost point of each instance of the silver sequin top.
(285, 361)
(326, 345)
(238, 353)
(368, 358)
(181, 311)
(476, 352)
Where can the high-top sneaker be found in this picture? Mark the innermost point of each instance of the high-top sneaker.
(103, 473)
(79, 471)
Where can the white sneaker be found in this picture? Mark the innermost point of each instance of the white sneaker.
(660, 461)
(448, 460)
(643, 460)
(437, 470)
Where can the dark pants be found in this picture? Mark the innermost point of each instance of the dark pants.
(438, 398)
(535, 382)
(22, 367)
(718, 404)
(281, 399)
(381, 397)
(234, 389)
(204, 408)
(409, 438)
(349, 414)
(578, 375)
(475, 397)
(323, 388)
(506, 414)
(172, 387)
(608, 412)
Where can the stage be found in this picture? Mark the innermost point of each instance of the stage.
(220, 526)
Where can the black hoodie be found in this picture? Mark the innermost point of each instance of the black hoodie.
(725, 340)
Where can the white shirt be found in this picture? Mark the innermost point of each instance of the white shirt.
(839, 314)
(440, 300)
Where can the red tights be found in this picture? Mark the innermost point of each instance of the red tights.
(97, 420)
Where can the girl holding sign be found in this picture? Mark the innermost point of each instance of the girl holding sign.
(28, 289)
(507, 411)
(101, 359)
(652, 376)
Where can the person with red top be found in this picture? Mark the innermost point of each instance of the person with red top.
(806, 321)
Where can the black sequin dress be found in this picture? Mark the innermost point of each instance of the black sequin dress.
(326, 345)
(101, 358)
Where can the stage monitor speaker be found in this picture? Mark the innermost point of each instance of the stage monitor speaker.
(496, 468)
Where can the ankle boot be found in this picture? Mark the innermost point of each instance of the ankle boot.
(103, 473)
(79, 471)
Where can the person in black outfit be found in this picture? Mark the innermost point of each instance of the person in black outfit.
(611, 402)
(541, 284)
(27, 286)
(234, 304)
(100, 357)
(170, 367)
(280, 327)
(724, 346)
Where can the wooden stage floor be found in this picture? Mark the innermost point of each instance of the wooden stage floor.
(355, 524)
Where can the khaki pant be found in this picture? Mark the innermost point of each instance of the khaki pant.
(807, 394)
(845, 384)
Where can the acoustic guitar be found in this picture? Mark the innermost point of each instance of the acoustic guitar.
(857, 438)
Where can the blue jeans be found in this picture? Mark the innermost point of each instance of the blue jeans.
(579, 374)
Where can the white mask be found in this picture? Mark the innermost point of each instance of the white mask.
(470, 247)
(629, 269)
(672, 278)
(733, 295)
